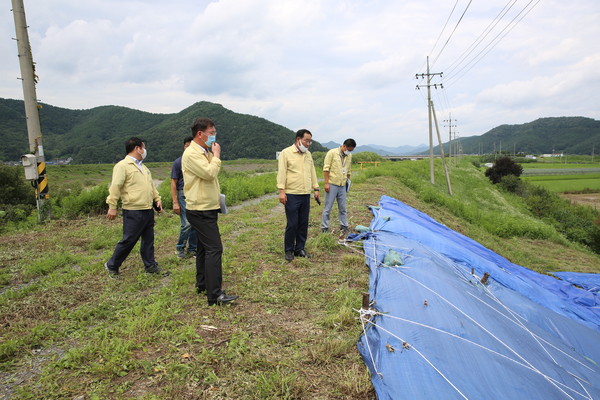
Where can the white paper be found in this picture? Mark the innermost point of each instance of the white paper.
(222, 204)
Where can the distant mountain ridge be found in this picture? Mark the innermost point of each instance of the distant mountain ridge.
(383, 150)
(569, 135)
(98, 135)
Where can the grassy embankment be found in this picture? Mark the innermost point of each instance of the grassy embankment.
(67, 330)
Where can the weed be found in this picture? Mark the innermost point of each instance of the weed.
(277, 384)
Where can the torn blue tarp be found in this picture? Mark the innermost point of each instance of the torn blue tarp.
(436, 332)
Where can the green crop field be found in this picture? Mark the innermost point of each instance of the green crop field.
(568, 182)
(563, 177)
(555, 165)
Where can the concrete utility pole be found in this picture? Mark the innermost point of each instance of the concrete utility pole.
(437, 129)
(450, 142)
(428, 75)
(35, 166)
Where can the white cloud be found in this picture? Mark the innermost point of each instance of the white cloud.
(340, 68)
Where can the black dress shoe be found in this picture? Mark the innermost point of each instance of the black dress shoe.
(302, 253)
(222, 299)
(289, 256)
(156, 270)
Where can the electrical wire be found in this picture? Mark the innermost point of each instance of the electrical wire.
(452, 34)
(480, 38)
(444, 28)
(452, 78)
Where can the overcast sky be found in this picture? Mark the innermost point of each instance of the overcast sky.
(340, 68)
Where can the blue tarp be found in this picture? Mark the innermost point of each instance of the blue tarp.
(436, 332)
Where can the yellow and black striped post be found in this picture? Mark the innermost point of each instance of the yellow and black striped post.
(41, 190)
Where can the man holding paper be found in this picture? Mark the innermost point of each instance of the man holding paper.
(337, 169)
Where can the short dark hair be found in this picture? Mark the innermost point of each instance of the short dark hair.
(301, 132)
(132, 143)
(350, 143)
(188, 139)
(201, 124)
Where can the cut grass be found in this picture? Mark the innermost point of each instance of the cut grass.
(140, 336)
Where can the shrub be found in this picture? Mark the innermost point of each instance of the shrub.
(512, 183)
(366, 156)
(503, 167)
(89, 201)
(17, 197)
(238, 187)
(575, 222)
(164, 190)
(14, 213)
(14, 189)
(318, 158)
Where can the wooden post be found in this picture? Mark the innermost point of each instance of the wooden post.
(485, 278)
(366, 301)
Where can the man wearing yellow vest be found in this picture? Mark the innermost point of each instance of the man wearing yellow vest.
(202, 193)
(132, 183)
(296, 178)
(337, 168)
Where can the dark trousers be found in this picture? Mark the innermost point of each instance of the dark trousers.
(297, 209)
(209, 272)
(186, 234)
(136, 224)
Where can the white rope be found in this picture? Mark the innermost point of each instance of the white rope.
(526, 364)
(536, 337)
(483, 348)
(424, 358)
(517, 321)
(362, 321)
(475, 322)
(514, 319)
(589, 397)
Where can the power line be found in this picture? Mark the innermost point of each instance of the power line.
(454, 30)
(444, 28)
(481, 37)
(475, 60)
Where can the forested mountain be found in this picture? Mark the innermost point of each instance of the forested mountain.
(568, 135)
(98, 135)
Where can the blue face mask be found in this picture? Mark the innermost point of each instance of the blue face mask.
(211, 139)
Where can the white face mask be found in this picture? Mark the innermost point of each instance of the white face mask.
(301, 147)
(346, 152)
(144, 154)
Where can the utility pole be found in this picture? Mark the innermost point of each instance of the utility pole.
(35, 163)
(437, 129)
(428, 75)
(450, 143)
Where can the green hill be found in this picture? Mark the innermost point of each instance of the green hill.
(569, 135)
(98, 135)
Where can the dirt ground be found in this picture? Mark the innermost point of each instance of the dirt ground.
(589, 199)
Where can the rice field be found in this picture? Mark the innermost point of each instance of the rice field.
(563, 178)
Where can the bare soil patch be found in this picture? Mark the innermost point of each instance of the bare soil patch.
(588, 199)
